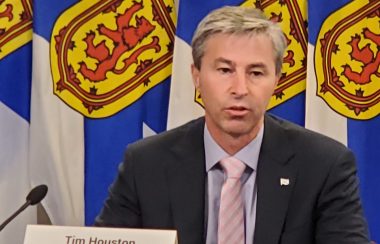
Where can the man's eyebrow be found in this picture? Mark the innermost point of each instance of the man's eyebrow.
(257, 65)
(250, 66)
(223, 60)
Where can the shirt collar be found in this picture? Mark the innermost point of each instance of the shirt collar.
(248, 154)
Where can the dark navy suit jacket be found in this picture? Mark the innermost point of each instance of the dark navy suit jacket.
(161, 184)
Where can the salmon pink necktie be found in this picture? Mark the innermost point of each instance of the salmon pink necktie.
(231, 212)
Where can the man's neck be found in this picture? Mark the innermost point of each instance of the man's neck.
(232, 143)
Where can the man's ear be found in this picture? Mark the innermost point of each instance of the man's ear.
(195, 75)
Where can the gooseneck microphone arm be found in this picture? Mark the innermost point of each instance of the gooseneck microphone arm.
(14, 215)
(35, 196)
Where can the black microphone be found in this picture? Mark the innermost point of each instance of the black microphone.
(35, 196)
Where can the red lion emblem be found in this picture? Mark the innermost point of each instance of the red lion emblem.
(370, 60)
(125, 38)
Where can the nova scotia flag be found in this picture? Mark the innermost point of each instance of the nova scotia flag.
(15, 81)
(101, 73)
(343, 87)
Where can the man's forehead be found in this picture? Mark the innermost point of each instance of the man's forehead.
(224, 53)
(228, 40)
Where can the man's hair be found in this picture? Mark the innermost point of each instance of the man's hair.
(234, 20)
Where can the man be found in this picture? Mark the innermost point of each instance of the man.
(294, 186)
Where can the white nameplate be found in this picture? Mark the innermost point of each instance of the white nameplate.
(48, 234)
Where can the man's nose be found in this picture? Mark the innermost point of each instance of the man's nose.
(239, 85)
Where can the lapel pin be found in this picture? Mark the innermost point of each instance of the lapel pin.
(284, 181)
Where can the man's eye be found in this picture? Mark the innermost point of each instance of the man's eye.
(256, 73)
(224, 70)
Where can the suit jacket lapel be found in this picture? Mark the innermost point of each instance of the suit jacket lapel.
(186, 180)
(276, 177)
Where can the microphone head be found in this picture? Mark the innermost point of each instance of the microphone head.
(37, 194)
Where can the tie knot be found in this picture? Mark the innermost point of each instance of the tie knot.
(233, 167)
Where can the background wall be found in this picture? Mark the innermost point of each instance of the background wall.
(76, 88)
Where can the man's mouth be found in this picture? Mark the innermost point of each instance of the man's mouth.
(237, 111)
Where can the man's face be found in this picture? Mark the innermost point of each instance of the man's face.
(236, 80)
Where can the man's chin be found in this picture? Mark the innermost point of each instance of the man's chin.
(238, 130)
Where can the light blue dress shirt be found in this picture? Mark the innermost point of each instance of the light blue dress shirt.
(215, 178)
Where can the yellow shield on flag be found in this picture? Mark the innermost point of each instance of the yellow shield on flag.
(106, 54)
(15, 25)
(347, 60)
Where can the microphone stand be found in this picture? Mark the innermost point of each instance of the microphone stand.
(22, 208)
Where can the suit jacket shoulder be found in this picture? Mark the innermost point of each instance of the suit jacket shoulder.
(161, 184)
(307, 188)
